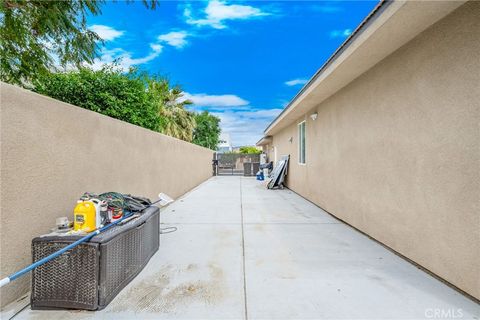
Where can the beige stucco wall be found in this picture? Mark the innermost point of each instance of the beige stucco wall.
(396, 153)
(52, 152)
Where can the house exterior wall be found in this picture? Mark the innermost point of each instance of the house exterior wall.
(52, 152)
(396, 152)
(268, 150)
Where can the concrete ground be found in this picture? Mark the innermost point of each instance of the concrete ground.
(242, 251)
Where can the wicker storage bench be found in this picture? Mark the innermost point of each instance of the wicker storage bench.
(92, 274)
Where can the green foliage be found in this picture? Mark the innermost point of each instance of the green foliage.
(33, 33)
(207, 132)
(250, 150)
(134, 97)
(177, 121)
(38, 36)
(107, 91)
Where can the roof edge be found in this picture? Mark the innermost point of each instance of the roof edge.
(361, 27)
(264, 140)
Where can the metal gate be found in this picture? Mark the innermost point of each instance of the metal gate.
(236, 164)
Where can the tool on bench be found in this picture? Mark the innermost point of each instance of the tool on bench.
(131, 207)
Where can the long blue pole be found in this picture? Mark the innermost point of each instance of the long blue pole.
(40, 262)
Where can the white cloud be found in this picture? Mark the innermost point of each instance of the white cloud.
(224, 100)
(105, 32)
(217, 12)
(156, 47)
(176, 39)
(260, 113)
(296, 82)
(246, 127)
(125, 59)
(327, 8)
(244, 123)
(340, 33)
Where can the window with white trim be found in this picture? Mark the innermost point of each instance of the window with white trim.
(301, 142)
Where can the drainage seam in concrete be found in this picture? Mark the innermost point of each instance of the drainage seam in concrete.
(291, 223)
(248, 223)
(243, 254)
(203, 223)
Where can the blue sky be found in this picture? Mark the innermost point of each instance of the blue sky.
(243, 61)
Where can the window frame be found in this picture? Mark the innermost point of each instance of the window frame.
(302, 142)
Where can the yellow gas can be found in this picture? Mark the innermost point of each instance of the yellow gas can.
(85, 216)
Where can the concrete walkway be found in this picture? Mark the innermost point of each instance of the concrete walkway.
(242, 251)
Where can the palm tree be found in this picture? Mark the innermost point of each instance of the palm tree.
(178, 122)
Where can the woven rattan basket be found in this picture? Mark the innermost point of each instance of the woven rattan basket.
(92, 274)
